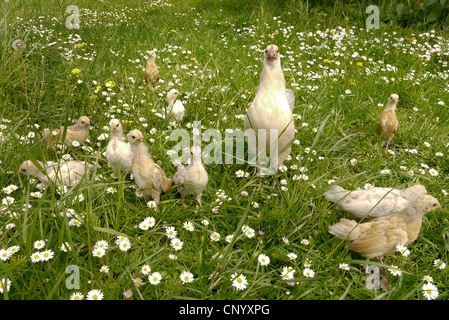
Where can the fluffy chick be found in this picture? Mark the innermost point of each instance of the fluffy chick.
(78, 132)
(151, 70)
(374, 202)
(380, 236)
(175, 107)
(193, 179)
(118, 152)
(387, 122)
(61, 174)
(148, 176)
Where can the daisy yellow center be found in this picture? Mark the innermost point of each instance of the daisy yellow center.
(239, 280)
(429, 291)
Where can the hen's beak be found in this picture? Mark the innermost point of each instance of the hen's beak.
(271, 55)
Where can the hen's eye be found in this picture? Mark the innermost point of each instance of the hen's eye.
(434, 204)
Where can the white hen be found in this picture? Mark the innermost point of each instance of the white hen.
(193, 179)
(61, 174)
(374, 202)
(175, 107)
(271, 110)
(118, 152)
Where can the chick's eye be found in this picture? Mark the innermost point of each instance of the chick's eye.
(133, 137)
(434, 204)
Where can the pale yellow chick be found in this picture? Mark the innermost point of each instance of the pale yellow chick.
(387, 122)
(78, 132)
(193, 179)
(148, 176)
(380, 236)
(151, 69)
(61, 174)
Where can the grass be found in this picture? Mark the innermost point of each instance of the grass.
(210, 52)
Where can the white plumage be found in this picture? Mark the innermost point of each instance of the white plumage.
(271, 109)
(290, 98)
(61, 174)
(193, 179)
(374, 202)
(118, 152)
(175, 107)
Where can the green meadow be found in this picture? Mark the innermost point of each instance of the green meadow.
(212, 52)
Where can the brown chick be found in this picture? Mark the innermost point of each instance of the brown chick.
(148, 176)
(151, 70)
(380, 236)
(387, 122)
(78, 132)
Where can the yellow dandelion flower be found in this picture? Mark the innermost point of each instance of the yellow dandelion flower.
(110, 84)
(173, 30)
(360, 63)
(76, 71)
(193, 59)
(327, 61)
(80, 45)
(218, 22)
